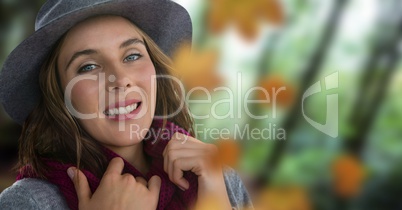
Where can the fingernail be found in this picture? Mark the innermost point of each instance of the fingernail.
(182, 188)
(71, 173)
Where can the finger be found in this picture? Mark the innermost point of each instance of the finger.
(182, 138)
(179, 140)
(176, 172)
(154, 185)
(81, 184)
(197, 165)
(172, 155)
(141, 181)
(192, 151)
(115, 166)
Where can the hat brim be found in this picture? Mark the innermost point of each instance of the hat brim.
(166, 22)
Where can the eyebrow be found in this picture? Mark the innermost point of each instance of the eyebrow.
(91, 51)
(130, 42)
(80, 53)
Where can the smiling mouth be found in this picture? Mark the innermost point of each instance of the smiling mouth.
(123, 110)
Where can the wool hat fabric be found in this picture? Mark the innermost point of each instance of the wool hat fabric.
(165, 21)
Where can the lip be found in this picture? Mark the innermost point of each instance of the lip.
(128, 116)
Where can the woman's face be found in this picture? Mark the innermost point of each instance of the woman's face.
(108, 80)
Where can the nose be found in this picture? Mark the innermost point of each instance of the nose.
(118, 79)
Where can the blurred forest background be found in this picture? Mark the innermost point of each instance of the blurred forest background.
(341, 146)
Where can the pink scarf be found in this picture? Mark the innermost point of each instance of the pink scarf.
(170, 196)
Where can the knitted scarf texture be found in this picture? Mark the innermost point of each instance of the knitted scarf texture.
(170, 196)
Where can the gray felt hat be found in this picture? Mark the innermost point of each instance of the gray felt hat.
(166, 22)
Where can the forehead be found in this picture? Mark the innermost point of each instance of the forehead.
(101, 30)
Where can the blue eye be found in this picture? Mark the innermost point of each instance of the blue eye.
(132, 57)
(87, 68)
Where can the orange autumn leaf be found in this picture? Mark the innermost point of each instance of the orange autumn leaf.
(272, 11)
(218, 17)
(245, 14)
(196, 68)
(246, 24)
(229, 152)
(208, 203)
(283, 198)
(348, 176)
(279, 91)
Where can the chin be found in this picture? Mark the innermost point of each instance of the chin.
(134, 132)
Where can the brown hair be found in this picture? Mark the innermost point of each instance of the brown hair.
(51, 132)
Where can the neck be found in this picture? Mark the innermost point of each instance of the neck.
(134, 155)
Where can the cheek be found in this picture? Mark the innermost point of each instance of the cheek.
(84, 96)
(145, 76)
(149, 82)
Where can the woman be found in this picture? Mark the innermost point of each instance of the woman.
(103, 122)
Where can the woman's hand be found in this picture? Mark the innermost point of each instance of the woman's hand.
(185, 153)
(117, 191)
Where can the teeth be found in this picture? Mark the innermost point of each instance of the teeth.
(121, 110)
